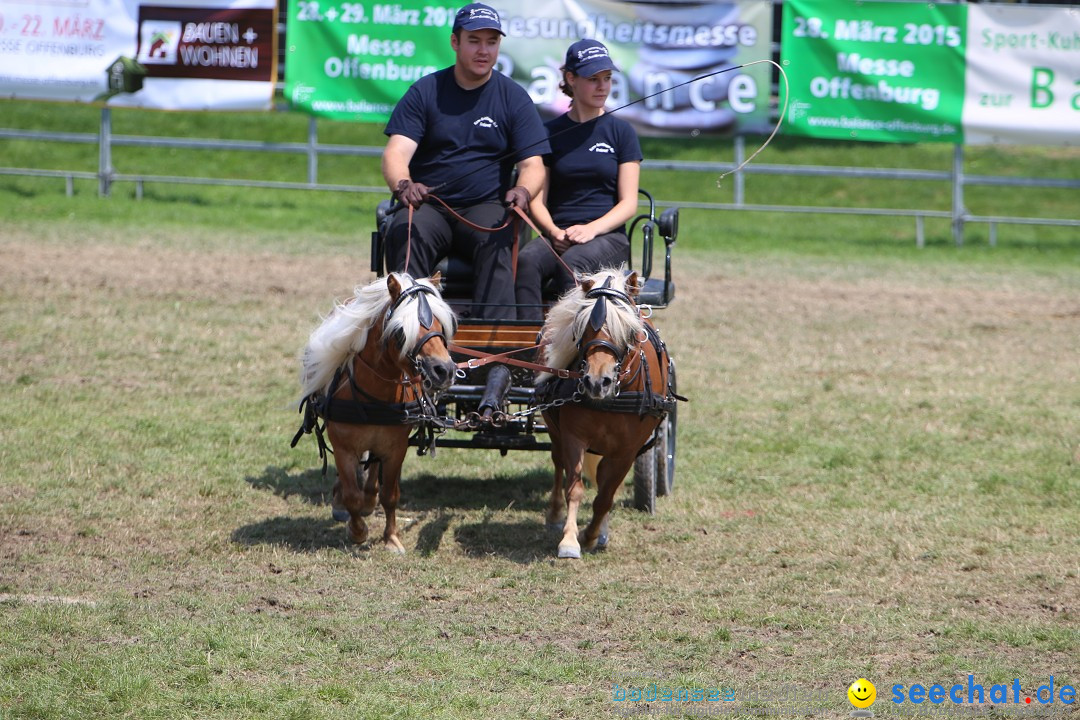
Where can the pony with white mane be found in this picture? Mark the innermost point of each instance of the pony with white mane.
(622, 393)
(369, 371)
(567, 320)
(344, 332)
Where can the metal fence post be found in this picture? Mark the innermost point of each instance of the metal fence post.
(312, 152)
(958, 211)
(105, 167)
(740, 178)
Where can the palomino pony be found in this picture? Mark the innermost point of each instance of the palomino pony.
(614, 408)
(369, 371)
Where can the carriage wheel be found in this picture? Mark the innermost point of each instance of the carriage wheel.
(665, 448)
(662, 456)
(645, 481)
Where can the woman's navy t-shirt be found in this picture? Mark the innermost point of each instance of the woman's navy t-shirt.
(461, 133)
(584, 166)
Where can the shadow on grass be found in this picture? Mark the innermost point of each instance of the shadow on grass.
(19, 190)
(426, 491)
(300, 534)
(522, 491)
(178, 198)
(439, 499)
(523, 542)
(309, 485)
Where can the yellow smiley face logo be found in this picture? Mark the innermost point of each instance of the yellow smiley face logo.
(862, 693)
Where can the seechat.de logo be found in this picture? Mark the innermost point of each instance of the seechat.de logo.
(975, 693)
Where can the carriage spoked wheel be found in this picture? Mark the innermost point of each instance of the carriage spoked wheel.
(645, 481)
(665, 448)
(654, 469)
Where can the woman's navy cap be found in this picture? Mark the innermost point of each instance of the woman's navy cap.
(585, 58)
(477, 16)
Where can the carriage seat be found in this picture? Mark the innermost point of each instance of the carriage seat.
(457, 271)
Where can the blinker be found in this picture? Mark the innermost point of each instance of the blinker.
(599, 314)
(423, 308)
(599, 311)
(423, 311)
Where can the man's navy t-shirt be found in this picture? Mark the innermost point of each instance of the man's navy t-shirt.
(584, 166)
(461, 133)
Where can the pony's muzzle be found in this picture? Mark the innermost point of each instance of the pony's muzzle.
(438, 374)
(599, 387)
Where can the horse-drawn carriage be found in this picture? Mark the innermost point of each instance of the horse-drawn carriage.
(502, 396)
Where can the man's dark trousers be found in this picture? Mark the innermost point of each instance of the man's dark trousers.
(436, 234)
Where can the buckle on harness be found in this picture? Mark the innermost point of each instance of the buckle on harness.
(562, 373)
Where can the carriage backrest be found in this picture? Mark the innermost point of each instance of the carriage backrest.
(457, 271)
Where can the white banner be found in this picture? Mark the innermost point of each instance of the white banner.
(1023, 75)
(178, 55)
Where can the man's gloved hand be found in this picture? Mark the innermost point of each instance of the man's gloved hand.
(412, 193)
(518, 197)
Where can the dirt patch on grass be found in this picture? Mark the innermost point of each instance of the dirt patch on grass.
(228, 276)
(152, 270)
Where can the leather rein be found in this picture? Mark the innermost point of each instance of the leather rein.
(521, 215)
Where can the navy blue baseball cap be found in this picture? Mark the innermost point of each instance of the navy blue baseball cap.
(477, 16)
(585, 58)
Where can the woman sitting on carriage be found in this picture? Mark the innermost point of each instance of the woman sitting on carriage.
(591, 188)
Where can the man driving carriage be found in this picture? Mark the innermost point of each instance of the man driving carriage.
(456, 135)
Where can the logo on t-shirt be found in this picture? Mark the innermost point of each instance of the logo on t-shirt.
(602, 147)
(485, 122)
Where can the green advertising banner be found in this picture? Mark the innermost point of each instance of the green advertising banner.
(888, 71)
(354, 60)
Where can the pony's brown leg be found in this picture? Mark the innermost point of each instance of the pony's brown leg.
(573, 453)
(609, 476)
(347, 467)
(369, 493)
(338, 511)
(555, 518)
(556, 512)
(389, 493)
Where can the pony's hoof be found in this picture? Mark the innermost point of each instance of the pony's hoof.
(601, 542)
(358, 533)
(569, 552)
(395, 548)
(555, 527)
(587, 544)
(339, 514)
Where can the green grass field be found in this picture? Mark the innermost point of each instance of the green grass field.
(878, 474)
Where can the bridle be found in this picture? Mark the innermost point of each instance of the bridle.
(423, 314)
(597, 318)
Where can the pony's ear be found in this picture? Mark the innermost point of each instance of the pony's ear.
(632, 285)
(436, 280)
(393, 286)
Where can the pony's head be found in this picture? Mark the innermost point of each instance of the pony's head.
(418, 326)
(596, 325)
(413, 322)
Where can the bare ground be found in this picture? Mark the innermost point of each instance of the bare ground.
(763, 339)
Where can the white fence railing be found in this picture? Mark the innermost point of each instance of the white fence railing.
(106, 175)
